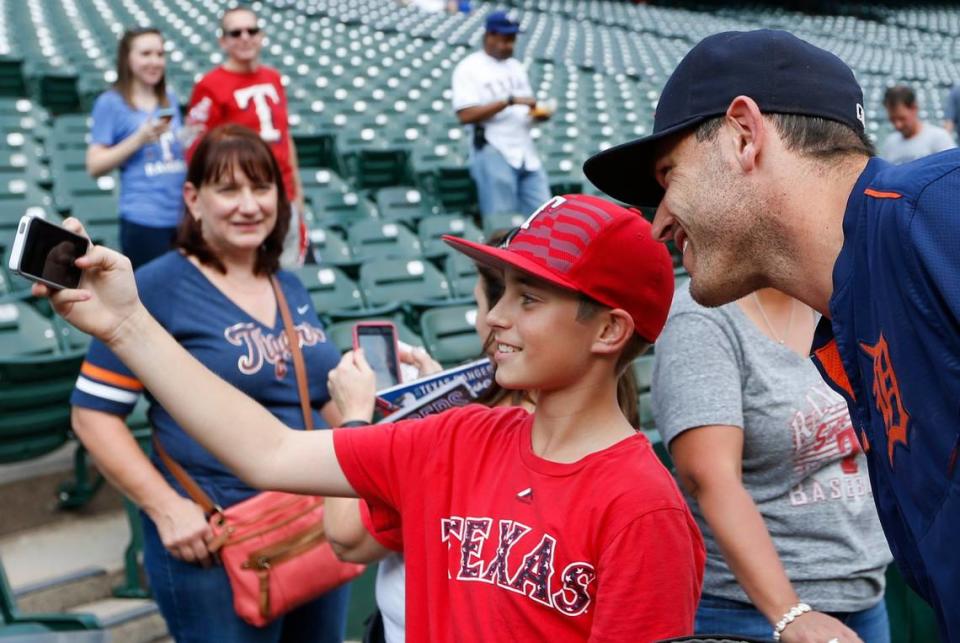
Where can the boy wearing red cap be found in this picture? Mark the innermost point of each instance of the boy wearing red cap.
(559, 526)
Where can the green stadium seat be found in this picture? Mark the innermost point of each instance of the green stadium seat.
(376, 239)
(331, 291)
(317, 150)
(453, 187)
(405, 204)
(330, 248)
(36, 379)
(96, 209)
(434, 227)
(450, 335)
(379, 168)
(69, 188)
(322, 178)
(461, 273)
(402, 281)
(339, 209)
(24, 331)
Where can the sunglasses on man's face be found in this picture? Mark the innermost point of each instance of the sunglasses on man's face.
(250, 31)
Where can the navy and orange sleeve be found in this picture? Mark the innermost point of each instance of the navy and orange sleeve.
(105, 384)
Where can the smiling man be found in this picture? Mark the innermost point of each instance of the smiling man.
(245, 91)
(762, 174)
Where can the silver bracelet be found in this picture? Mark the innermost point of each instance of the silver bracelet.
(788, 618)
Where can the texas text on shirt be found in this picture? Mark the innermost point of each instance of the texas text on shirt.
(503, 545)
(479, 79)
(894, 353)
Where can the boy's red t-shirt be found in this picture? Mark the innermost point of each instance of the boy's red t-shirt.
(502, 545)
(256, 100)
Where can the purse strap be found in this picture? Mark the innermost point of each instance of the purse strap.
(299, 367)
(196, 493)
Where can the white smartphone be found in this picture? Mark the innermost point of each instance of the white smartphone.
(45, 252)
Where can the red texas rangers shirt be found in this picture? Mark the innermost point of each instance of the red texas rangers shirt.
(502, 545)
(255, 100)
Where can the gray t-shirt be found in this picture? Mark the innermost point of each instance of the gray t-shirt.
(802, 463)
(929, 140)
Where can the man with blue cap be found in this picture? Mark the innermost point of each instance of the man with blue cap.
(762, 175)
(493, 98)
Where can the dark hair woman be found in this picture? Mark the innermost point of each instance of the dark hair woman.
(214, 295)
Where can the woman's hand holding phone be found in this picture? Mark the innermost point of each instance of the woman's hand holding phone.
(353, 386)
(106, 299)
(152, 129)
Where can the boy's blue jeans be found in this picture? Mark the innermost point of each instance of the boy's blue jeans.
(503, 189)
(717, 615)
(197, 604)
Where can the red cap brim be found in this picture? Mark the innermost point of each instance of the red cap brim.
(504, 258)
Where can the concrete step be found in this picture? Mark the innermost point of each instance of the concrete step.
(72, 565)
(129, 620)
(29, 494)
(67, 546)
(64, 592)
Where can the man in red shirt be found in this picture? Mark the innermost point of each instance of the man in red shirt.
(247, 92)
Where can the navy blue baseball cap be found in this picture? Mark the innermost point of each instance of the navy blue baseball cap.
(782, 73)
(500, 22)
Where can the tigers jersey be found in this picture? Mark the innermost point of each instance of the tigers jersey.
(893, 351)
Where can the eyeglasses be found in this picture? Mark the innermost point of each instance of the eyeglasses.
(236, 33)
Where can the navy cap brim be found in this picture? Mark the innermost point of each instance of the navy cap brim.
(625, 171)
(505, 31)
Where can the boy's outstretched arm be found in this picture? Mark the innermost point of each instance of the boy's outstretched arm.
(233, 427)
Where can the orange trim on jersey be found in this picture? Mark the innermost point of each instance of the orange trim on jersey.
(110, 377)
(882, 195)
(829, 358)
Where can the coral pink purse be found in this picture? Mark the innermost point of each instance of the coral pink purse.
(272, 545)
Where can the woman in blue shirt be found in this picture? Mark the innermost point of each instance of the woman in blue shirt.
(134, 127)
(214, 296)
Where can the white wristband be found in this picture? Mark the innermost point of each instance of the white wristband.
(788, 618)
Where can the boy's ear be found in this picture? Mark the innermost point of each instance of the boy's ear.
(615, 332)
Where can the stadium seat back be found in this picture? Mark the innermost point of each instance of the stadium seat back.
(450, 335)
(389, 281)
(376, 239)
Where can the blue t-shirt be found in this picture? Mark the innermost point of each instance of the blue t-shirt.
(247, 354)
(151, 180)
(893, 350)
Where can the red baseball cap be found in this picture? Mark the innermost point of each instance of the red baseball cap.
(591, 246)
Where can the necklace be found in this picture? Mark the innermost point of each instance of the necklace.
(766, 320)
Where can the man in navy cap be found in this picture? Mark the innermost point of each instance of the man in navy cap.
(493, 97)
(762, 176)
